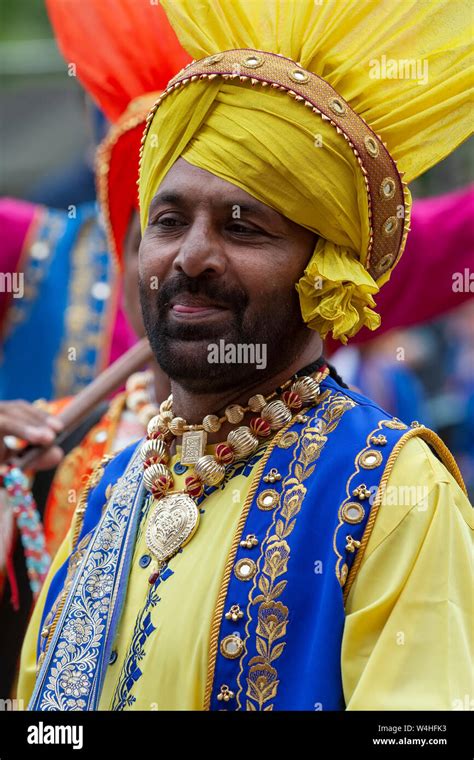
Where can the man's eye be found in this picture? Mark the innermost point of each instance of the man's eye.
(167, 221)
(241, 229)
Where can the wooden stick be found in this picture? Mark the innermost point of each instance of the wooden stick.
(82, 404)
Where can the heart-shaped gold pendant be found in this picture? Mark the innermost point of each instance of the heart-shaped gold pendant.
(172, 523)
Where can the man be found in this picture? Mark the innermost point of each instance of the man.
(294, 562)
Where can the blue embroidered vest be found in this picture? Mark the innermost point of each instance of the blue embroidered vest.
(68, 302)
(291, 583)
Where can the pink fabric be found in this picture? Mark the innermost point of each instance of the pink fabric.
(440, 244)
(15, 221)
(123, 336)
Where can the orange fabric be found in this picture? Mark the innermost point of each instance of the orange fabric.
(136, 53)
(120, 49)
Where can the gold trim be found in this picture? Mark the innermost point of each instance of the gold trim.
(395, 424)
(114, 413)
(446, 458)
(86, 269)
(253, 61)
(232, 638)
(299, 76)
(337, 106)
(211, 60)
(218, 610)
(288, 439)
(264, 496)
(342, 574)
(245, 561)
(352, 505)
(79, 512)
(361, 492)
(318, 94)
(275, 553)
(390, 226)
(391, 183)
(371, 146)
(370, 459)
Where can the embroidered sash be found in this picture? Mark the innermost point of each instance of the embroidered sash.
(73, 670)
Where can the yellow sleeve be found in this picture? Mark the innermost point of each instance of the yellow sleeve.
(27, 674)
(408, 634)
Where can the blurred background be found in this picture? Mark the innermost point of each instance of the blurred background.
(49, 126)
(48, 133)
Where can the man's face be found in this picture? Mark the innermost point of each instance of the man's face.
(217, 265)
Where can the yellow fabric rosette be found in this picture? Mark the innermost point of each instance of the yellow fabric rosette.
(284, 155)
(336, 293)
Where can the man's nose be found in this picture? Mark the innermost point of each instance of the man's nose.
(201, 251)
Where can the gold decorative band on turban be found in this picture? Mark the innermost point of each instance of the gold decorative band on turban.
(349, 192)
(298, 128)
(387, 212)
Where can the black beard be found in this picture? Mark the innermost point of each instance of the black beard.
(181, 350)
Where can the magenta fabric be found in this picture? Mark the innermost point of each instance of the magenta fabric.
(16, 218)
(440, 245)
(123, 336)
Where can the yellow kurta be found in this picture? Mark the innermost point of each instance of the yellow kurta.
(407, 641)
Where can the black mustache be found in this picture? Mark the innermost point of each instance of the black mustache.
(234, 298)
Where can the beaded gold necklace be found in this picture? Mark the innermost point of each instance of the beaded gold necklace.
(174, 516)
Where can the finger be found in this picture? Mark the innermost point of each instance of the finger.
(48, 459)
(21, 429)
(37, 417)
(55, 422)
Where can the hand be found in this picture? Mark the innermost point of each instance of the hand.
(33, 425)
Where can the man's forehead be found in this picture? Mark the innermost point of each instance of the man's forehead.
(188, 184)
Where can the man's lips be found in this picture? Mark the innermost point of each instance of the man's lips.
(187, 305)
(181, 309)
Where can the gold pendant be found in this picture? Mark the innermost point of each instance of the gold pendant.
(172, 523)
(193, 446)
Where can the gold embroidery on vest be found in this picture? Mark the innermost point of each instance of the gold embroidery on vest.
(262, 678)
(445, 456)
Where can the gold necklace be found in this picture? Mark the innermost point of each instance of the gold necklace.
(174, 518)
(194, 437)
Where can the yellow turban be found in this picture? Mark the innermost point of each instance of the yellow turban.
(286, 156)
